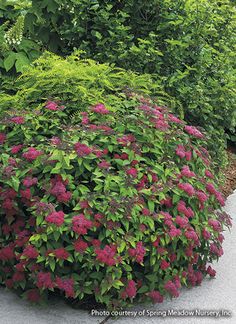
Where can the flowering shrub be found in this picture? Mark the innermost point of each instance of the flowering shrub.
(118, 203)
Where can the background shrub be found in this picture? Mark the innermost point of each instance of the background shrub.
(189, 44)
(114, 202)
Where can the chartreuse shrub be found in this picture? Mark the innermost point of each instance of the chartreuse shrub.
(117, 202)
(190, 44)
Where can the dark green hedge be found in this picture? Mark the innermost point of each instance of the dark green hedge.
(190, 44)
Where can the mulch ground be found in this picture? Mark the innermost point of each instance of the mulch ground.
(230, 173)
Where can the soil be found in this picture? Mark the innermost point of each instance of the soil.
(230, 173)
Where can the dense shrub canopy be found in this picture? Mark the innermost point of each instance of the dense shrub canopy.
(190, 44)
(115, 199)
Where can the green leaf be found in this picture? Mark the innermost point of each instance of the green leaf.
(21, 61)
(143, 289)
(9, 61)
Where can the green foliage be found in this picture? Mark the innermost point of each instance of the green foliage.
(118, 202)
(16, 49)
(76, 80)
(189, 44)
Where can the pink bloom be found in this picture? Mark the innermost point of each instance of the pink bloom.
(205, 234)
(131, 289)
(191, 235)
(186, 172)
(80, 246)
(15, 149)
(187, 187)
(64, 197)
(209, 174)
(17, 120)
(181, 221)
(67, 285)
(193, 131)
(138, 253)
(220, 198)
(180, 151)
(55, 140)
(126, 140)
(210, 188)
(100, 109)
(26, 193)
(175, 119)
(61, 254)
(171, 288)
(107, 255)
(31, 252)
(52, 105)
(167, 202)
(104, 165)
(146, 212)
(81, 225)
(56, 218)
(211, 271)
(215, 224)
(188, 155)
(202, 197)
(18, 276)
(31, 154)
(174, 232)
(84, 204)
(29, 182)
(82, 149)
(155, 296)
(132, 172)
(164, 264)
(44, 280)
(187, 211)
(2, 138)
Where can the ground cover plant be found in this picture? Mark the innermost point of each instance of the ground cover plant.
(104, 192)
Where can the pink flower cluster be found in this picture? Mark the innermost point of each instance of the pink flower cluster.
(137, 253)
(182, 153)
(172, 287)
(52, 105)
(187, 211)
(31, 154)
(30, 252)
(107, 255)
(156, 296)
(2, 138)
(212, 190)
(67, 285)
(132, 172)
(81, 225)
(82, 149)
(44, 280)
(16, 149)
(100, 109)
(61, 253)
(59, 189)
(185, 172)
(187, 187)
(18, 120)
(130, 290)
(29, 182)
(56, 218)
(80, 246)
(126, 140)
(193, 131)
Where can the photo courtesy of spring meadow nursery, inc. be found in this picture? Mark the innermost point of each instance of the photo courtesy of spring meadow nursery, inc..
(117, 161)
